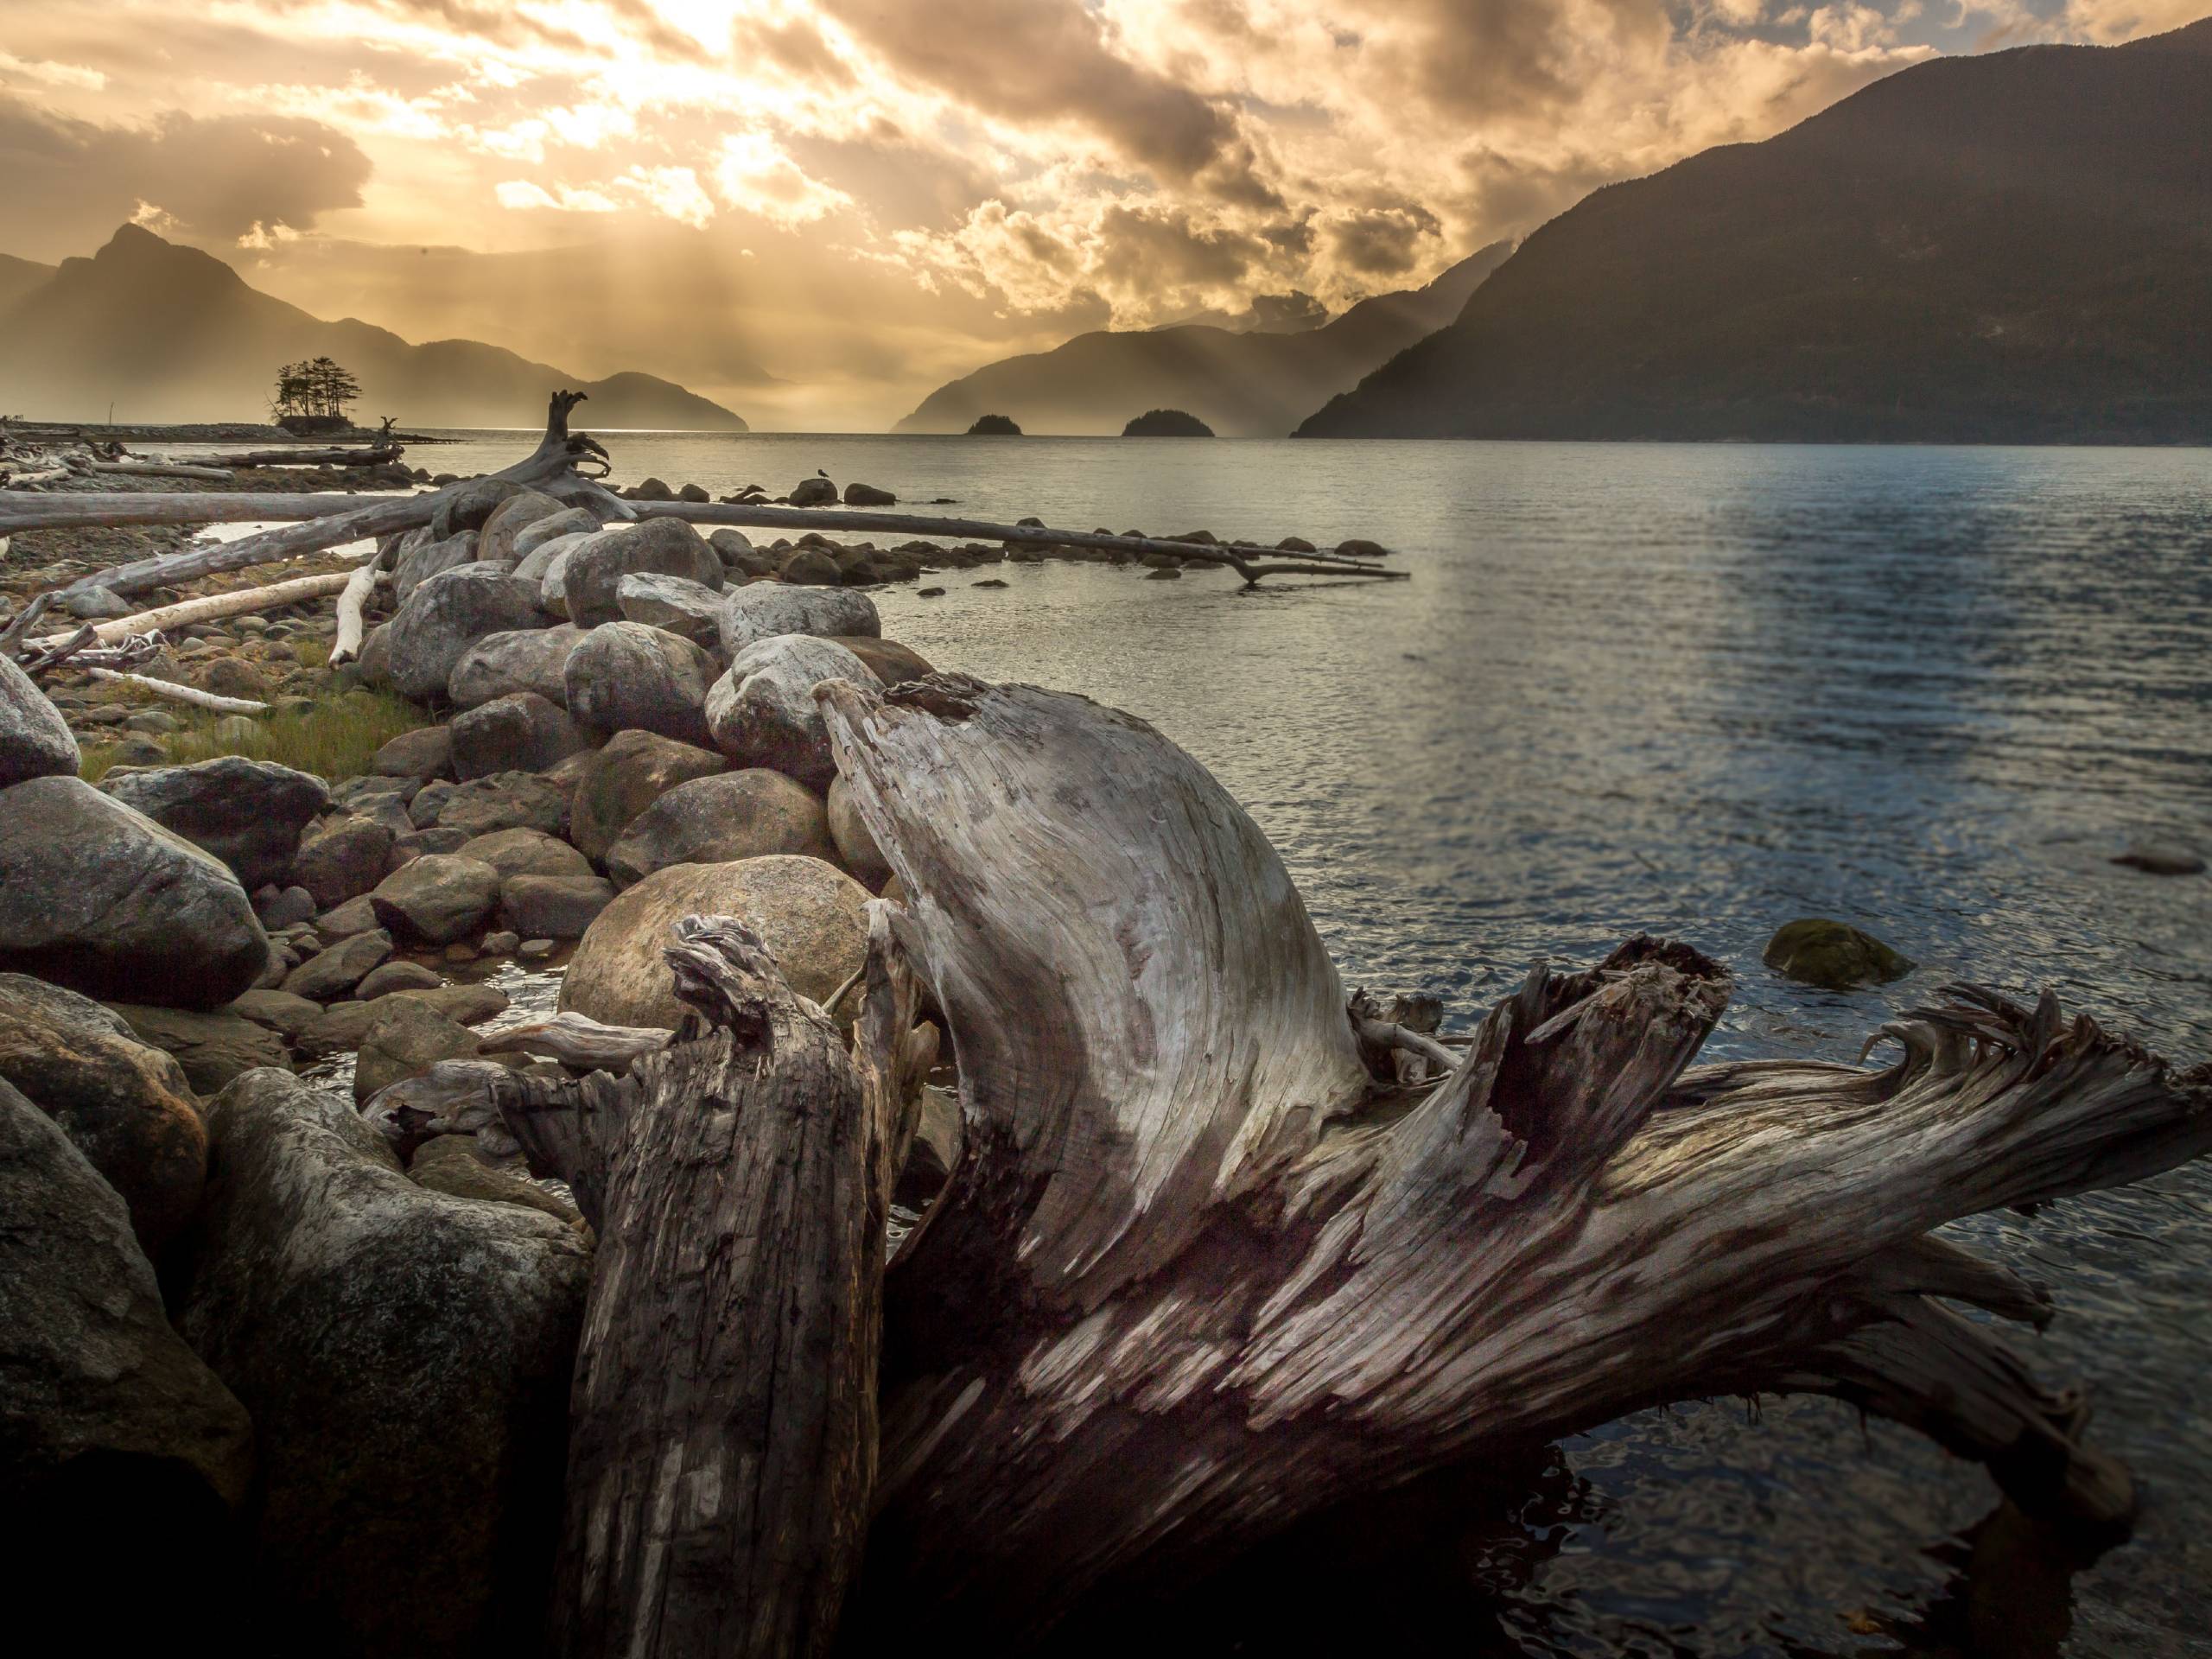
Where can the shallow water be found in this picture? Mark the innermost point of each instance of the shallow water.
(1699, 690)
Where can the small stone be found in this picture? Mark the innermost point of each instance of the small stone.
(537, 950)
(333, 973)
(397, 976)
(499, 944)
(285, 907)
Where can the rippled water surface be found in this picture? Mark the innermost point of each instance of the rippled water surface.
(1699, 690)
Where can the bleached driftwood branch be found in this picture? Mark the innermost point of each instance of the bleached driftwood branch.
(190, 695)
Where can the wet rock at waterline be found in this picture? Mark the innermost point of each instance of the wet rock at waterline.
(248, 813)
(406, 1039)
(762, 610)
(810, 914)
(762, 712)
(450, 1163)
(629, 774)
(525, 659)
(2162, 858)
(212, 1046)
(35, 740)
(553, 907)
(124, 1104)
(445, 616)
(627, 677)
(1833, 954)
(811, 567)
(866, 495)
(406, 1363)
(333, 972)
(519, 732)
(720, 820)
(887, 659)
(814, 492)
(103, 1403)
(99, 897)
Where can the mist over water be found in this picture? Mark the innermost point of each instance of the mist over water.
(1701, 691)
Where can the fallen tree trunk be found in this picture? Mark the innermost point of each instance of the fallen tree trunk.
(191, 697)
(722, 1427)
(144, 468)
(1201, 1271)
(66, 511)
(323, 457)
(209, 608)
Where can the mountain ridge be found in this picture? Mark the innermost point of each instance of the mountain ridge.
(1252, 384)
(171, 334)
(2013, 247)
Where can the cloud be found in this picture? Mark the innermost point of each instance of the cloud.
(71, 183)
(754, 175)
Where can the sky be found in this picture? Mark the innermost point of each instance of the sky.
(815, 211)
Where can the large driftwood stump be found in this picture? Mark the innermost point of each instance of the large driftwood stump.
(723, 1427)
(1206, 1267)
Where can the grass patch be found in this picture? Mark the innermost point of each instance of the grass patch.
(334, 740)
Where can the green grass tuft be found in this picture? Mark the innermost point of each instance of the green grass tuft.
(334, 739)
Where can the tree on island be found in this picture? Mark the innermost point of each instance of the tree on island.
(1166, 424)
(995, 426)
(313, 395)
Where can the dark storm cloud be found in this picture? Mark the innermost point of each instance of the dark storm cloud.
(71, 183)
(1040, 61)
(1384, 241)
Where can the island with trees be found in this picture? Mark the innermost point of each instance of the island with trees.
(995, 426)
(1166, 424)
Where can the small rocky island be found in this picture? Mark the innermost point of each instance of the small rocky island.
(1166, 424)
(995, 426)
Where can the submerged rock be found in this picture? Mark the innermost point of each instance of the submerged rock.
(812, 916)
(405, 1357)
(98, 897)
(1833, 954)
(719, 820)
(248, 813)
(124, 1104)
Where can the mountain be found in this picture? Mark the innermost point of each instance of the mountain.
(171, 334)
(1248, 385)
(2010, 248)
(19, 276)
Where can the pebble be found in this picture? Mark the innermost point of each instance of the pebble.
(535, 950)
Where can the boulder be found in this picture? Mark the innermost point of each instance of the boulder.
(405, 1039)
(812, 915)
(887, 659)
(445, 616)
(415, 843)
(470, 505)
(124, 1104)
(762, 610)
(373, 666)
(333, 972)
(814, 492)
(866, 495)
(762, 713)
(35, 740)
(112, 1433)
(281, 908)
(570, 521)
(416, 565)
(689, 608)
(405, 1359)
(1832, 955)
(855, 845)
(391, 976)
(627, 676)
(437, 898)
(282, 1012)
(507, 800)
(553, 907)
(342, 857)
(451, 1164)
(213, 1047)
(356, 915)
(526, 852)
(520, 732)
(2162, 858)
(693, 493)
(621, 780)
(527, 659)
(510, 518)
(666, 546)
(96, 896)
(343, 1026)
(812, 567)
(739, 557)
(423, 753)
(248, 813)
(651, 489)
(719, 820)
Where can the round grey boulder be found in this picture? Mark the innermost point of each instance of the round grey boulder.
(436, 899)
(689, 608)
(855, 845)
(664, 546)
(525, 659)
(762, 610)
(627, 676)
(510, 518)
(248, 813)
(520, 732)
(101, 898)
(526, 852)
(719, 820)
(622, 780)
(445, 616)
(416, 565)
(762, 713)
(35, 740)
(570, 521)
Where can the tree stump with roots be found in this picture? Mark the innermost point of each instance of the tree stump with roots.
(1222, 1248)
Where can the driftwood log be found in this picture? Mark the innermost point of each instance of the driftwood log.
(1225, 1246)
(723, 1427)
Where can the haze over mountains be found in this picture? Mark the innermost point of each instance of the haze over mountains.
(2010, 248)
(1245, 385)
(170, 333)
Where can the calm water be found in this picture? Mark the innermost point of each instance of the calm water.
(1702, 691)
